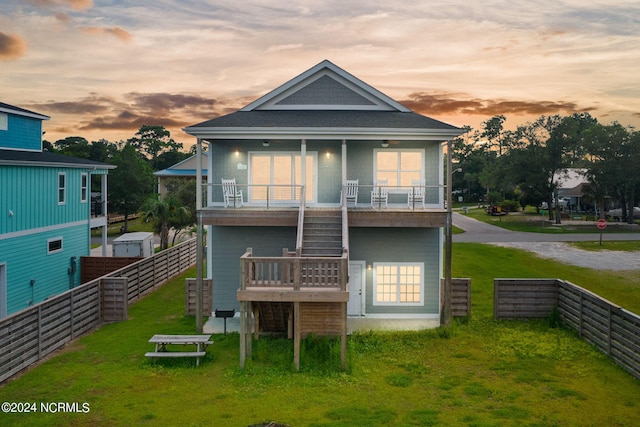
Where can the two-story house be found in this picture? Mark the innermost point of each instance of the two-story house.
(45, 212)
(325, 208)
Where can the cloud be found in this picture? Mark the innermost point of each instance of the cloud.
(114, 31)
(11, 46)
(73, 4)
(455, 103)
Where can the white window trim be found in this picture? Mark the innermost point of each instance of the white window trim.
(64, 189)
(397, 190)
(57, 250)
(312, 154)
(84, 187)
(4, 121)
(397, 304)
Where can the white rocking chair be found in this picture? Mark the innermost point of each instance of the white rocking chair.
(380, 194)
(231, 194)
(416, 194)
(351, 192)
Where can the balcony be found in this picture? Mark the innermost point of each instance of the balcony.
(278, 205)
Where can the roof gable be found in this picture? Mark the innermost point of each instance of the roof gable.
(325, 87)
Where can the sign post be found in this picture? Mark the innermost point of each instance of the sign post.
(602, 224)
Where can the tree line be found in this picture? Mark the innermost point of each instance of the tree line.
(525, 165)
(132, 186)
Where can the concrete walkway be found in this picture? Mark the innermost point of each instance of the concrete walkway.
(552, 246)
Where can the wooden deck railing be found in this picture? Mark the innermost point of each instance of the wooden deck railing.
(294, 272)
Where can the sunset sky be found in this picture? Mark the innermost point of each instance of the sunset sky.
(101, 69)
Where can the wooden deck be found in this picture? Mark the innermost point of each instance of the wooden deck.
(358, 216)
(293, 295)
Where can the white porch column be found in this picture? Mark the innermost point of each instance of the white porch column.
(303, 165)
(199, 249)
(103, 190)
(344, 163)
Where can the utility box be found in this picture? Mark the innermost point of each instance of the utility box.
(138, 244)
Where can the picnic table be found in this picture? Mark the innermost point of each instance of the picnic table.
(162, 341)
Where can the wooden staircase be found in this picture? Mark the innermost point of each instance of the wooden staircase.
(322, 234)
(274, 316)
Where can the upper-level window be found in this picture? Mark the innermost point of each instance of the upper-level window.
(62, 188)
(399, 167)
(398, 284)
(4, 121)
(84, 187)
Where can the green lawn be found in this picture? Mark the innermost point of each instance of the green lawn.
(479, 372)
(531, 221)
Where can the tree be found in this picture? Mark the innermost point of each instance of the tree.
(154, 140)
(184, 191)
(74, 146)
(614, 153)
(165, 214)
(130, 184)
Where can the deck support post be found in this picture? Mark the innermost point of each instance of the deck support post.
(256, 320)
(297, 332)
(243, 332)
(343, 338)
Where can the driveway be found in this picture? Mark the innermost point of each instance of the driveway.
(551, 245)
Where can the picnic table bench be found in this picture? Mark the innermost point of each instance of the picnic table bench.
(161, 341)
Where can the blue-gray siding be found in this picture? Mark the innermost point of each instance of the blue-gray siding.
(366, 244)
(399, 245)
(227, 246)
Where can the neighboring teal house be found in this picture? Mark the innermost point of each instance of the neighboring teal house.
(45, 212)
(350, 182)
(185, 169)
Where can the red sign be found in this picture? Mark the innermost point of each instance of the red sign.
(602, 224)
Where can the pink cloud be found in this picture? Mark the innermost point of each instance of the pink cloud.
(11, 46)
(114, 31)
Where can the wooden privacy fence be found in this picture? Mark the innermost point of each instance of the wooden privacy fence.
(460, 296)
(609, 327)
(191, 296)
(32, 334)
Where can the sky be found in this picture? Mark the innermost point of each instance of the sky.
(101, 69)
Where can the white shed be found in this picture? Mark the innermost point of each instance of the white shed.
(139, 244)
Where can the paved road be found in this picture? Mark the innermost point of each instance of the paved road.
(551, 246)
(481, 232)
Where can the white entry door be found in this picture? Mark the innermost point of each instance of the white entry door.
(356, 288)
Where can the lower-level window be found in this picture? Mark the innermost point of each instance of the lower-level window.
(398, 283)
(54, 245)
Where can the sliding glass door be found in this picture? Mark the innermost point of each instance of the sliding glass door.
(277, 177)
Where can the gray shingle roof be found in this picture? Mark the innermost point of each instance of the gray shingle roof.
(8, 157)
(325, 119)
(22, 111)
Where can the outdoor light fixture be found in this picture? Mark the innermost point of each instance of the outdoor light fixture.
(265, 143)
(385, 144)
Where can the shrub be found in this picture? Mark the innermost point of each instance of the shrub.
(510, 205)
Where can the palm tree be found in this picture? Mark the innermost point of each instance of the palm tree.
(164, 213)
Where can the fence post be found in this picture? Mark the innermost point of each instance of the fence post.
(39, 332)
(71, 322)
(609, 330)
